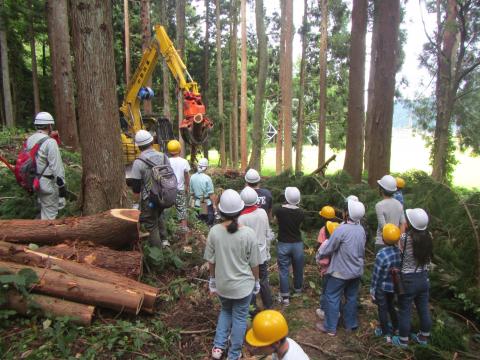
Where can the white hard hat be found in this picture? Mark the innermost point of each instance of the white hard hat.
(249, 196)
(230, 202)
(388, 183)
(44, 118)
(356, 210)
(418, 218)
(252, 176)
(143, 137)
(292, 195)
(351, 197)
(203, 163)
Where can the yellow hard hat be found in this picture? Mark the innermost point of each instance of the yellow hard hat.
(327, 212)
(391, 234)
(331, 226)
(174, 147)
(400, 183)
(269, 326)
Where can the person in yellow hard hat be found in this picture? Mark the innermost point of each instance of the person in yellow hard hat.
(268, 336)
(181, 168)
(382, 288)
(399, 193)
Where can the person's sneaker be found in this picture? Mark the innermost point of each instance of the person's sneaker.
(217, 353)
(319, 326)
(378, 331)
(165, 243)
(388, 339)
(320, 313)
(419, 339)
(397, 342)
(285, 301)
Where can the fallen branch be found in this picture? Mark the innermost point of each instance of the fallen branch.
(327, 353)
(192, 332)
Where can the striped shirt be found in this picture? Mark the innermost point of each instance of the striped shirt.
(387, 258)
(409, 264)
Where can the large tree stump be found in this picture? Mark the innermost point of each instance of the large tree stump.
(114, 228)
(126, 263)
(23, 255)
(49, 306)
(86, 291)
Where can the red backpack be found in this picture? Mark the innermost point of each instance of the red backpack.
(26, 167)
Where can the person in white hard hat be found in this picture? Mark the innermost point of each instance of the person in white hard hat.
(51, 196)
(202, 191)
(252, 179)
(290, 217)
(346, 247)
(233, 257)
(151, 217)
(256, 218)
(389, 210)
(417, 253)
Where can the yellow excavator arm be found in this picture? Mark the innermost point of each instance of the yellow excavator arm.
(194, 110)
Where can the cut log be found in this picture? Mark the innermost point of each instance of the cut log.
(23, 255)
(49, 306)
(85, 291)
(114, 228)
(126, 263)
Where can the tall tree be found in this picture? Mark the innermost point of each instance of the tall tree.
(127, 40)
(7, 93)
(322, 121)
(258, 111)
(62, 73)
(287, 86)
(223, 156)
(301, 100)
(99, 123)
(356, 107)
(281, 75)
(146, 39)
(206, 67)
(371, 83)
(243, 87)
(234, 84)
(384, 90)
(180, 14)
(165, 71)
(33, 53)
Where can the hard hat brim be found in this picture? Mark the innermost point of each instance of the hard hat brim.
(254, 341)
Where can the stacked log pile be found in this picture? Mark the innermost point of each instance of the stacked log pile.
(85, 267)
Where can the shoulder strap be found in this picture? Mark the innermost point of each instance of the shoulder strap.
(404, 251)
(150, 162)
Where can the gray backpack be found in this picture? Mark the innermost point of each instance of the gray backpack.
(163, 186)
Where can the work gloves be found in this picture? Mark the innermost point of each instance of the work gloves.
(62, 190)
(256, 289)
(212, 285)
(135, 206)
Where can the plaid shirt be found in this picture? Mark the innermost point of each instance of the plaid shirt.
(387, 258)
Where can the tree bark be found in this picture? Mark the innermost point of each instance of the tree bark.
(243, 88)
(384, 88)
(103, 184)
(165, 71)
(49, 306)
(114, 228)
(123, 262)
(62, 73)
(279, 142)
(218, 38)
(180, 14)
(356, 103)
(287, 83)
(146, 39)
(322, 121)
(234, 83)
(23, 255)
(85, 291)
(301, 101)
(127, 41)
(258, 111)
(7, 93)
(371, 84)
(445, 93)
(206, 54)
(33, 54)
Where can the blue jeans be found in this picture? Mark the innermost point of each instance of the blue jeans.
(265, 292)
(290, 253)
(232, 321)
(386, 308)
(323, 298)
(416, 287)
(208, 218)
(333, 295)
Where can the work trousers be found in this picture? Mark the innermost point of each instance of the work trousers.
(48, 198)
(290, 253)
(265, 292)
(153, 221)
(386, 310)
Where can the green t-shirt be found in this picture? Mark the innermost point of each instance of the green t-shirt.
(233, 255)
